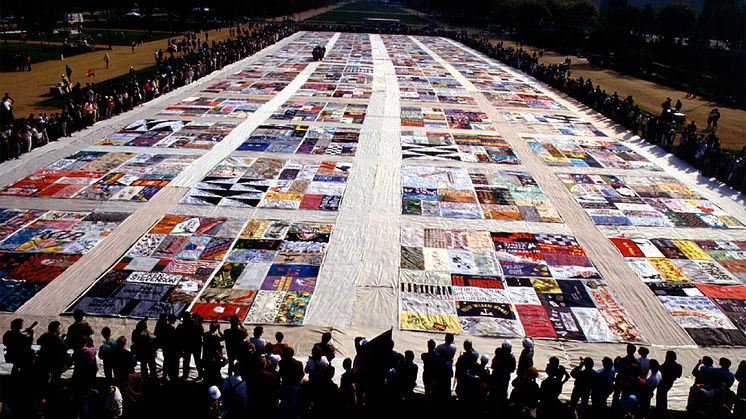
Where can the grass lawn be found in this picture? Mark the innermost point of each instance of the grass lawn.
(99, 35)
(124, 37)
(360, 11)
(37, 52)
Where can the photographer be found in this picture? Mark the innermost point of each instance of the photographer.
(18, 350)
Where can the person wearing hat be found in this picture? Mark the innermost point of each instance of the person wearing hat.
(526, 359)
(214, 408)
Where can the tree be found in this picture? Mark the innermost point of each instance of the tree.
(676, 20)
(576, 14)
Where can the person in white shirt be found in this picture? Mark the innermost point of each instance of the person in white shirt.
(447, 348)
(114, 403)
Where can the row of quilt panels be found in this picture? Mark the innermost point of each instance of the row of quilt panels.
(500, 87)
(505, 284)
(262, 271)
(699, 282)
(475, 119)
(492, 148)
(654, 201)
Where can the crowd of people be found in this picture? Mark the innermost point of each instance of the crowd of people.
(185, 61)
(699, 147)
(240, 374)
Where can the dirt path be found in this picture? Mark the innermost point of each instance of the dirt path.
(29, 88)
(649, 96)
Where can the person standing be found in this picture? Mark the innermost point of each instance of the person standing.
(84, 367)
(429, 369)
(69, 72)
(53, 358)
(107, 59)
(257, 340)
(80, 329)
(105, 350)
(18, 349)
(670, 372)
(526, 359)
(143, 345)
(291, 375)
(446, 353)
(581, 391)
(234, 336)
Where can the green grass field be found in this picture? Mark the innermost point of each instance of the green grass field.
(358, 12)
(100, 36)
(37, 52)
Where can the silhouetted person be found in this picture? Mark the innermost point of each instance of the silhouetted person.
(526, 359)
(234, 336)
(503, 365)
(670, 372)
(525, 394)
(79, 329)
(430, 364)
(122, 361)
(52, 357)
(84, 367)
(189, 333)
(623, 368)
(291, 375)
(327, 348)
(583, 378)
(213, 358)
(551, 387)
(18, 349)
(144, 348)
(169, 343)
(603, 386)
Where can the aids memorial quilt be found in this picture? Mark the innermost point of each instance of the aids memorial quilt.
(38, 246)
(445, 118)
(171, 134)
(577, 152)
(163, 271)
(479, 148)
(699, 282)
(269, 275)
(302, 139)
(214, 107)
(651, 201)
(343, 113)
(562, 124)
(272, 183)
(474, 193)
(102, 176)
(506, 285)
